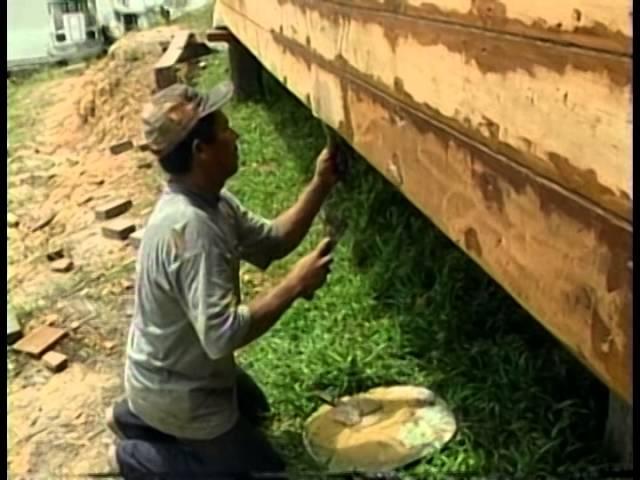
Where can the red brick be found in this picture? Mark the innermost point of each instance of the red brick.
(119, 229)
(121, 147)
(113, 208)
(55, 254)
(55, 361)
(144, 163)
(62, 265)
(39, 340)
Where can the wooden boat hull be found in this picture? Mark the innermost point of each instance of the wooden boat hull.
(507, 123)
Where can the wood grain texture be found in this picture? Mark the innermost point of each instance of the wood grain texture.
(184, 46)
(595, 24)
(176, 48)
(563, 112)
(564, 258)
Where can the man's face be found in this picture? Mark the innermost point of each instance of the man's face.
(220, 158)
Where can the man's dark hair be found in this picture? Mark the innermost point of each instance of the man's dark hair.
(179, 160)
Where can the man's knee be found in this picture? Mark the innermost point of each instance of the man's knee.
(126, 424)
(138, 459)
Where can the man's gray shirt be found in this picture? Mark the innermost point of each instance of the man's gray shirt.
(188, 318)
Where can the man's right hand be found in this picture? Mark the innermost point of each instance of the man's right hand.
(310, 273)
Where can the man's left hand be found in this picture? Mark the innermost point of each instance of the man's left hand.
(326, 170)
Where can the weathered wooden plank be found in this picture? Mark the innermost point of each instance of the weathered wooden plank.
(176, 47)
(184, 46)
(563, 112)
(164, 69)
(219, 35)
(604, 25)
(40, 340)
(565, 260)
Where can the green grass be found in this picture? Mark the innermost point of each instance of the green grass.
(405, 305)
(21, 111)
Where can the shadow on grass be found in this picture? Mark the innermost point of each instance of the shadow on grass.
(519, 395)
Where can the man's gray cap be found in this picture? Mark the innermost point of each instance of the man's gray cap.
(172, 113)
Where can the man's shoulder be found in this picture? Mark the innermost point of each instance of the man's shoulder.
(230, 199)
(173, 210)
(238, 210)
(175, 215)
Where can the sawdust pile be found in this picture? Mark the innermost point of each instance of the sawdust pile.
(113, 91)
(65, 170)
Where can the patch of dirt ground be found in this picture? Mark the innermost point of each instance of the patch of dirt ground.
(56, 180)
(57, 419)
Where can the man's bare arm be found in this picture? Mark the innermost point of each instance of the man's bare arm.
(294, 224)
(268, 308)
(303, 280)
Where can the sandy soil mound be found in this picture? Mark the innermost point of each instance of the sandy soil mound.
(67, 169)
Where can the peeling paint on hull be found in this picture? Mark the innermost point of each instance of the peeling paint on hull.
(518, 150)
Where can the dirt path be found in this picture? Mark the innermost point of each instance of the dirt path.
(61, 170)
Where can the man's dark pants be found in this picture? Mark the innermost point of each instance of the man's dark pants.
(241, 453)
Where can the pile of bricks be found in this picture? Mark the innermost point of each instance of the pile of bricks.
(39, 343)
(117, 227)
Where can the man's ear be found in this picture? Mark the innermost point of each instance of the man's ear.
(196, 147)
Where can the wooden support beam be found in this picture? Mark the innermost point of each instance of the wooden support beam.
(246, 72)
(219, 35)
(618, 438)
